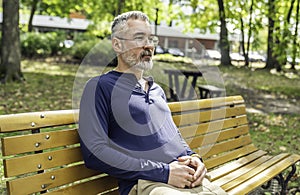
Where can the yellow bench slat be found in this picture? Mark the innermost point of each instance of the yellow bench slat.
(241, 172)
(227, 146)
(47, 180)
(232, 166)
(114, 192)
(249, 171)
(38, 141)
(205, 103)
(216, 137)
(35, 120)
(41, 161)
(99, 185)
(210, 115)
(264, 176)
(207, 127)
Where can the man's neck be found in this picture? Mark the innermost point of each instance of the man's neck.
(137, 73)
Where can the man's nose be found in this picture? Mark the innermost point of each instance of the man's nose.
(149, 45)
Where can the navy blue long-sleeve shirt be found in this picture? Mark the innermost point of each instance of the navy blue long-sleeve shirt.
(126, 132)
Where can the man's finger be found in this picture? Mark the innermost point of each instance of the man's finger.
(199, 170)
(184, 162)
(184, 158)
(198, 180)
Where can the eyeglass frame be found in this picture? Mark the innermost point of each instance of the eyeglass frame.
(142, 42)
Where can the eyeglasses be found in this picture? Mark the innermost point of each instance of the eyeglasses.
(142, 40)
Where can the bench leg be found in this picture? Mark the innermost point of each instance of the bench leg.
(204, 94)
(281, 188)
(284, 182)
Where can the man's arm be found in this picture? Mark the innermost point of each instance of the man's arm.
(96, 145)
(99, 154)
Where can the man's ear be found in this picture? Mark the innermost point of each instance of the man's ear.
(117, 46)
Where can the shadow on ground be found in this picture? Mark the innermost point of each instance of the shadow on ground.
(261, 102)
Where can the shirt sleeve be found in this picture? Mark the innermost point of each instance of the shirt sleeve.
(189, 152)
(96, 146)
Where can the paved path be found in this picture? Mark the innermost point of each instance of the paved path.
(262, 102)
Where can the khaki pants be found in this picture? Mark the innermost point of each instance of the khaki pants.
(145, 187)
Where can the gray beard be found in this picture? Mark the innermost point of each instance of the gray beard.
(133, 63)
(144, 65)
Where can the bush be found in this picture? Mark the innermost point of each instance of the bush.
(41, 44)
(84, 47)
(93, 52)
(55, 40)
(81, 49)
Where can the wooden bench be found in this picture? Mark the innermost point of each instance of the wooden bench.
(182, 85)
(41, 151)
(210, 91)
(185, 90)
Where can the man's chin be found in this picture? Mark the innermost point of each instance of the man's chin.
(144, 66)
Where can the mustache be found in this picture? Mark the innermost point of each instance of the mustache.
(146, 53)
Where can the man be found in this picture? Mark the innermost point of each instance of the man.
(125, 125)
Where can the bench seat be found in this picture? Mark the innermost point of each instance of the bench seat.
(210, 91)
(41, 150)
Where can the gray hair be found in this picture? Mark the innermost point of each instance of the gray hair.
(120, 21)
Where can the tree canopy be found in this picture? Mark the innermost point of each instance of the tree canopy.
(266, 26)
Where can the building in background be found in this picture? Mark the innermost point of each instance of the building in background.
(169, 37)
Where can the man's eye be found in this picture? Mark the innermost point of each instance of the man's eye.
(139, 38)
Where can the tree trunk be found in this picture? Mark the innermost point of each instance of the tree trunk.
(246, 50)
(10, 67)
(286, 34)
(270, 58)
(33, 9)
(120, 7)
(243, 42)
(295, 44)
(224, 43)
(249, 34)
(170, 8)
(278, 51)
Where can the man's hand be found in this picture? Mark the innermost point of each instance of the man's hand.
(197, 165)
(181, 174)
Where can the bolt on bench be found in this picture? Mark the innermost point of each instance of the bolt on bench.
(41, 151)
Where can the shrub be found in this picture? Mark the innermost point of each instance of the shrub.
(85, 47)
(35, 44)
(93, 52)
(55, 40)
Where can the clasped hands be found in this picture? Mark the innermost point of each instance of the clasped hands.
(188, 172)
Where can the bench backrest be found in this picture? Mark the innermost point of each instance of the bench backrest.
(41, 151)
(216, 128)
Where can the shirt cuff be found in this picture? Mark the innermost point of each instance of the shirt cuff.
(197, 155)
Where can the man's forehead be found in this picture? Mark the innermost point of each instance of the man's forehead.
(138, 26)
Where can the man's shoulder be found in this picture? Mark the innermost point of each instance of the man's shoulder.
(103, 78)
(99, 83)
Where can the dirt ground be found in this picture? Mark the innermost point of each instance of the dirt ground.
(260, 102)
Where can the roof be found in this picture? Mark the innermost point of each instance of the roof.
(176, 32)
(54, 22)
(82, 24)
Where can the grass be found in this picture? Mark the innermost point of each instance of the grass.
(262, 80)
(49, 87)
